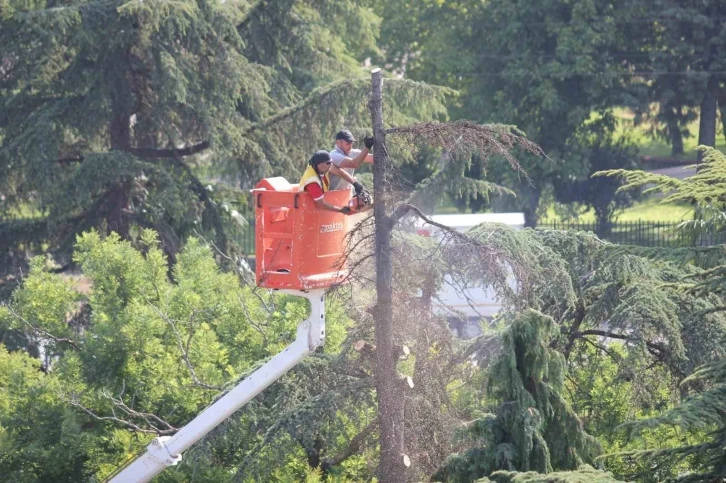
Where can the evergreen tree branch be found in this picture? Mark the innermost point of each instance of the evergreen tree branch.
(353, 447)
(490, 345)
(150, 153)
(601, 333)
(315, 98)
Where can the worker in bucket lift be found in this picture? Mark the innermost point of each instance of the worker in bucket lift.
(347, 158)
(316, 180)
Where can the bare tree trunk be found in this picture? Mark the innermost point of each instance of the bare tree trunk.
(674, 132)
(532, 198)
(388, 392)
(722, 106)
(709, 106)
(118, 197)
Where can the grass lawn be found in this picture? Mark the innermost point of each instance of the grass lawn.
(647, 210)
(660, 147)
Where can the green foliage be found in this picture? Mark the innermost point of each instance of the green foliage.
(128, 339)
(41, 438)
(113, 110)
(495, 52)
(534, 428)
(584, 474)
(705, 187)
(605, 395)
(702, 412)
(599, 294)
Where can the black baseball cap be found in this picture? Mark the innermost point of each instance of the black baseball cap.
(321, 156)
(345, 135)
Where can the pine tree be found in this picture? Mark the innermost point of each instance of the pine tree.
(122, 115)
(599, 295)
(533, 428)
(584, 474)
(704, 410)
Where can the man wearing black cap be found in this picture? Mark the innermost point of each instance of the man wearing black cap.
(316, 180)
(348, 159)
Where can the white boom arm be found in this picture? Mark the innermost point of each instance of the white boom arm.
(166, 450)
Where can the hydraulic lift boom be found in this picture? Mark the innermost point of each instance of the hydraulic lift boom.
(166, 450)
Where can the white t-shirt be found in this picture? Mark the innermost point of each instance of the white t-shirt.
(338, 156)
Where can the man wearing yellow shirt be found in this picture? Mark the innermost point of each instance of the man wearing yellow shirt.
(316, 180)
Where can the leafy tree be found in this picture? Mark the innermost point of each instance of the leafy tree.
(127, 115)
(41, 438)
(544, 67)
(679, 63)
(600, 194)
(585, 474)
(534, 428)
(604, 396)
(132, 352)
(702, 411)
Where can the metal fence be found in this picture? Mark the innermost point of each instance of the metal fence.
(640, 232)
(247, 240)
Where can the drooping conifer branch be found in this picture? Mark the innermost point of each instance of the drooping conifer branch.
(150, 153)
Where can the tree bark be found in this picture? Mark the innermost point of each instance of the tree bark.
(388, 391)
(721, 98)
(707, 125)
(674, 132)
(531, 206)
(118, 197)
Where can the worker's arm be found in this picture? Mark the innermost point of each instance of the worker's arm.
(342, 173)
(317, 193)
(324, 205)
(363, 157)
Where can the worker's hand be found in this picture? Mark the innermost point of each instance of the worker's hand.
(345, 210)
(358, 188)
(368, 141)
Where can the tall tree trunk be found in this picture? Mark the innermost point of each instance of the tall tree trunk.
(532, 204)
(722, 106)
(388, 392)
(674, 132)
(604, 223)
(709, 106)
(118, 198)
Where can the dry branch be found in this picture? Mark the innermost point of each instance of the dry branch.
(184, 348)
(38, 331)
(467, 137)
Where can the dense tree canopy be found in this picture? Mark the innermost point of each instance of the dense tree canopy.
(126, 115)
(130, 131)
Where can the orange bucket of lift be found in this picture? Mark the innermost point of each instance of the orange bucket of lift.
(297, 246)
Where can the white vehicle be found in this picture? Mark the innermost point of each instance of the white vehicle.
(466, 306)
